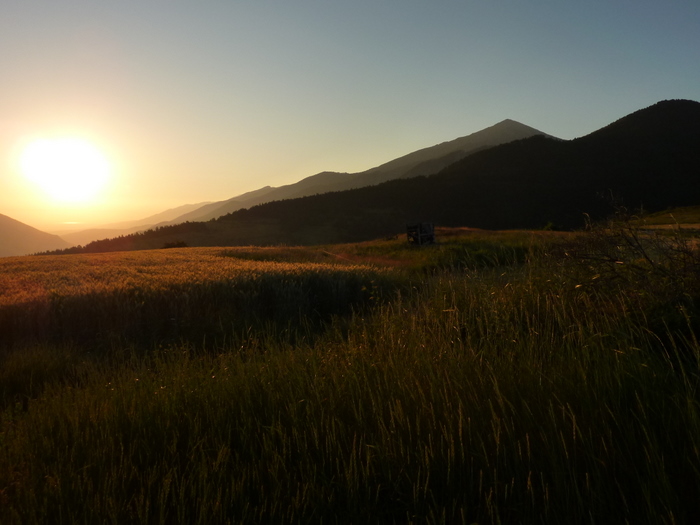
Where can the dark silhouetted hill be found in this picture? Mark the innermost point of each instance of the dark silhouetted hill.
(649, 159)
(17, 238)
(426, 161)
(422, 162)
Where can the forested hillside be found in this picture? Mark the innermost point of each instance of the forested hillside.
(646, 161)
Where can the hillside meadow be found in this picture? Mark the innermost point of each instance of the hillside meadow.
(495, 377)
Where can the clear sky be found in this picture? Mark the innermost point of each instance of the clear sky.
(202, 100)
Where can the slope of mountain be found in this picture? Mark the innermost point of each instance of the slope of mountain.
(17, 238)
(426, 161)
(649, 159)
(161, 217)
(82, 237)
(431, 160)
(208, 211)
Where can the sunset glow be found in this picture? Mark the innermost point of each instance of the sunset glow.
(203, 102)
(68, 169)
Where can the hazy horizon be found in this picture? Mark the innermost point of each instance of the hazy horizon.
(193, 103)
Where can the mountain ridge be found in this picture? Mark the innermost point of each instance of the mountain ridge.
(18, 238)
(647, 160)
(424, 161)
(405, 165)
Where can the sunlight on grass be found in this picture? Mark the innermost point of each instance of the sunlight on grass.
(500, 391)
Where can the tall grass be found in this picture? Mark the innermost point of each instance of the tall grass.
(493, 395)
(169, 295)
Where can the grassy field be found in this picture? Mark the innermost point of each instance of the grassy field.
(687, 218)
(152, 296)
(496, 377)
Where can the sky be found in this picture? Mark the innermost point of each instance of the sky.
(196, 101)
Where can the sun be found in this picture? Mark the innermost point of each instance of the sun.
(68, 169)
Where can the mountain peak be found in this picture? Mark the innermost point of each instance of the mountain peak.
(423, 162)
(515, 126)
(647, 159)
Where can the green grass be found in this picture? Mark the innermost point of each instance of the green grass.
(510, 390)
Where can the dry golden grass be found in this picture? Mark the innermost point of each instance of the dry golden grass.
(29, 279)
(504, 384)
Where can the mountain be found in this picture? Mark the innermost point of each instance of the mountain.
(17, 238)
(164, 216)
(429, 161)
(426, 161)
(647, 160)
(210, 211)
(82, 237)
